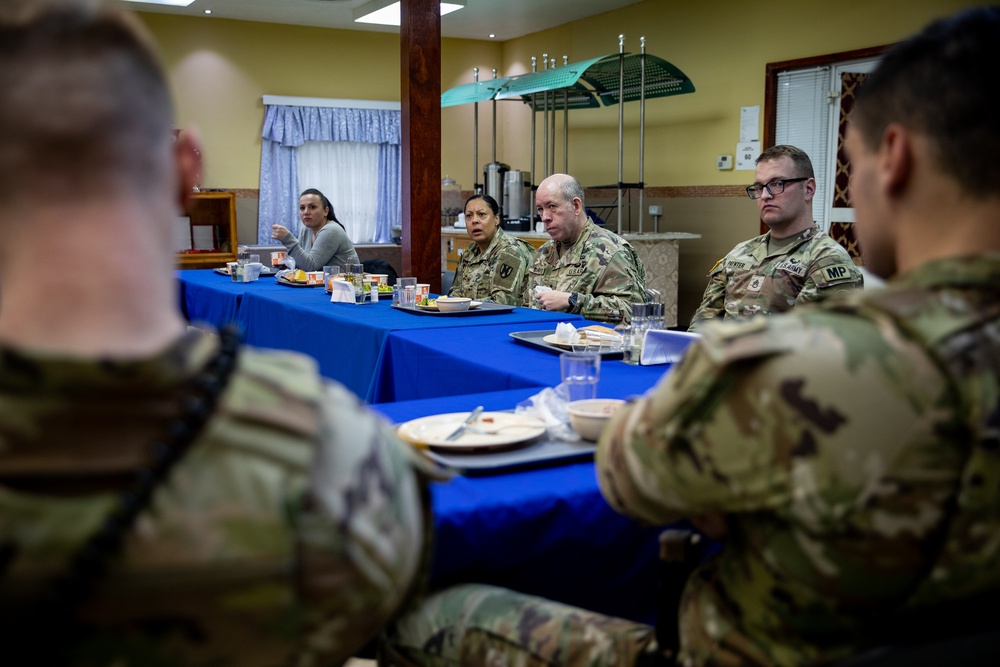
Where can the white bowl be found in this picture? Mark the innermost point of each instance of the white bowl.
(453, 304)
(588, 417)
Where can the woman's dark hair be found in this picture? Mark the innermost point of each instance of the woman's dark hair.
(330, 215)
(490, 201)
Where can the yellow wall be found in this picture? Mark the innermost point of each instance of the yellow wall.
(219, 70)
(723, 46)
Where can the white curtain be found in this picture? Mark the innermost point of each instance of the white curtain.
(347, 173)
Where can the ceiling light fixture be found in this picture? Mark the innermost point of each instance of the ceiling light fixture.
(172, 3)
(386, 12)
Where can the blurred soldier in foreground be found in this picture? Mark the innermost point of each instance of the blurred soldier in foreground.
(241, 509)
(848, 451)
(584, 269)
(793, 263)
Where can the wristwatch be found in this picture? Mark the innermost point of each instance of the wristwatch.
(574, 299)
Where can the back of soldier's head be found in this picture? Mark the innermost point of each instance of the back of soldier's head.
(85, 110)
(940, 83)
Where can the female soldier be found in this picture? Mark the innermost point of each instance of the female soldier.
(494, 266)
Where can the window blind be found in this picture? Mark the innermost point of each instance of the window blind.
(802, 119)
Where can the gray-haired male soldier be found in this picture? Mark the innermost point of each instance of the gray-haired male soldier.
(793, 263)
(848, 451)
(278, 521)
(587, 269)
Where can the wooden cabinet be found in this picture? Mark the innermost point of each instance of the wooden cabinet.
(455, 240)
(208, 232)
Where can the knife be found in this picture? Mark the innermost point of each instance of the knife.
(465, 424)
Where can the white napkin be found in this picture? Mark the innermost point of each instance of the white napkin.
(341, 291)
(549, 405)
(251, 271)
(565, 333)
(661, 346)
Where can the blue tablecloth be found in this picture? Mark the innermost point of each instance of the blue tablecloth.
(545, 531)
(207, 296)
(422, 364)
(346, 339)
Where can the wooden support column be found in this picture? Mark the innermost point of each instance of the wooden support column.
(420, 158)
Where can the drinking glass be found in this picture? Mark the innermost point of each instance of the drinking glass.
(330, 271)
(580, 374)
(408, 286)
(357, 278)
(631, 351)
(581, 342)
(655, 320)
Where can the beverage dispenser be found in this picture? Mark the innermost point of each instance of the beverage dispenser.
(518, 202)
(493, 182)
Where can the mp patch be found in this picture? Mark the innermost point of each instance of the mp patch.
(837, 274)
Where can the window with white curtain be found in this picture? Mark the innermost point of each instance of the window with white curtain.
(347, 173)
(806, 116)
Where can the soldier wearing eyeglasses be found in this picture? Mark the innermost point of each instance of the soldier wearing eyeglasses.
(794, 262)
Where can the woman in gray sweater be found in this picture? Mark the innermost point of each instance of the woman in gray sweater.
(322, 244)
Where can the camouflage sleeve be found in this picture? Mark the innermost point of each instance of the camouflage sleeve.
(766, 415)
(364, 531)
(713, 304)
(621, 285)
(831, 273)
(456, 281)
(507, 283)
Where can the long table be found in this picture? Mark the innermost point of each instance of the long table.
(545, 530)
(346, 339)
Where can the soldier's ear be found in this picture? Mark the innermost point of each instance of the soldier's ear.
(809, 187)
(896, 158)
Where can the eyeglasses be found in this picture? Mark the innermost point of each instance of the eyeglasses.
(775, 187)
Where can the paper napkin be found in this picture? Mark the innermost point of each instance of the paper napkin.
(341, 291)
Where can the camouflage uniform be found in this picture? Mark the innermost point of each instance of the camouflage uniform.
(852, 445)
(290, 532)
(601, 267)
(750, 280)
(498, 274)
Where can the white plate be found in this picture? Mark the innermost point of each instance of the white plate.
(473, 304)
(510, 430)
(591, 341)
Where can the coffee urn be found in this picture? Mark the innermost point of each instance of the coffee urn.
(493, 182)
(517, 200)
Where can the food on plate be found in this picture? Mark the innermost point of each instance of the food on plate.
(428, 302)
(299, 276)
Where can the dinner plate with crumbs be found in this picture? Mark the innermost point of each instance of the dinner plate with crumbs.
(265, 271)
(281, 280)
(433, 307)
(597, 336)
(491, 431)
